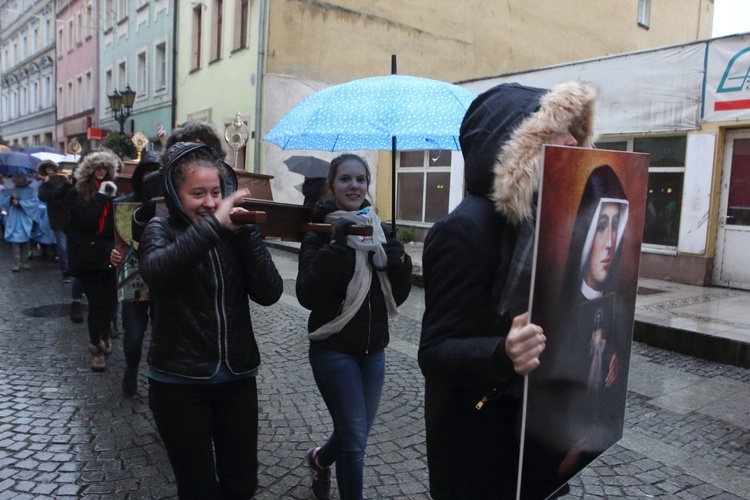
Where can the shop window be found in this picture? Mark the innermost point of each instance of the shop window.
(423, 182)
(666, 176)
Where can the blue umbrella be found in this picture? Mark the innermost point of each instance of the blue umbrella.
(12, 162)
(40, 149)
(395, 112)
(368, 113)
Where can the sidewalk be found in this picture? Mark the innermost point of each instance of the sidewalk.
(705, 322)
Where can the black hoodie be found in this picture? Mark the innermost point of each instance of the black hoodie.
(472, 453)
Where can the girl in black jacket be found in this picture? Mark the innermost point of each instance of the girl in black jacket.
(351, 285)
(201, 268)
(90, 240)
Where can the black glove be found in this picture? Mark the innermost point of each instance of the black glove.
(339, 231)
(394, 251)
(145, 212)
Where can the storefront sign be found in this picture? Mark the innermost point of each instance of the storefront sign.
(728, 80)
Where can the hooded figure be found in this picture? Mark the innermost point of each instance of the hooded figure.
(477, 271)
(19, 199)
(135, 313)
(90, 241)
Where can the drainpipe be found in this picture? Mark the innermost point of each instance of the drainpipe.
(175, 14)
(259, 79)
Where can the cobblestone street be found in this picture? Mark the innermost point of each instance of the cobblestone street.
(68, 432)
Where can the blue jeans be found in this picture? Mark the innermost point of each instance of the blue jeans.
(61, 247)
(351, 385)
(135, 316)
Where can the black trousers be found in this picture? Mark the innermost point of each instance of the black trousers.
(210, 432)
(100, 287)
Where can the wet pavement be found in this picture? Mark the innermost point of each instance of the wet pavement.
(68, 432)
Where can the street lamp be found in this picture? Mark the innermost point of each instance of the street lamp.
(121, 103)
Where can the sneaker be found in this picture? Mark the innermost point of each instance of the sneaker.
(76, 312)
(130, 382)
(106, 346)
(15, 268)
(321, 476)
(66, 276)
(98, 362)
(25, 267)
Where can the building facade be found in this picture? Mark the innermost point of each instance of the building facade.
(77, 84)
(312, 45)
(136, 50)
(27, 72)
(218, 73)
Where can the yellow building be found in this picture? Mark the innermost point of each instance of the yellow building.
(292, 48)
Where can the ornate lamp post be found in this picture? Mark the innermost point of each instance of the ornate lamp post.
(121, 102)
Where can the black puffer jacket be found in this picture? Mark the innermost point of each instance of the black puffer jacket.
(89, 241)
(473, 453)
(200, 276)
(54, 192)
(324, 274)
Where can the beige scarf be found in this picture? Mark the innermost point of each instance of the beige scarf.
(359, 286)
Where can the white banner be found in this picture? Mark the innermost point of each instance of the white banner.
(654, 91)
(728, 80)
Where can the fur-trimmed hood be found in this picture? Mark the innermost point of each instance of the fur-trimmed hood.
(502, 136)
(102, 157)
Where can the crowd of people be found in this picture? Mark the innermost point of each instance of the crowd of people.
(202, 266)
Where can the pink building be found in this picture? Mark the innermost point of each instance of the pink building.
(77, 83)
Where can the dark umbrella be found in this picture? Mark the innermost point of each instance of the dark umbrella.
(310, 166)
(14, 161)
(40, 149)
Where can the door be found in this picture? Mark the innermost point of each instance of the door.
(732, 267)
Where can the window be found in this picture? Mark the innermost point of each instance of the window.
(47, 92)
(71, 36)
(195, 61)
(60, 40)
(70, 100)
(79, 27)
(241, 24)
(644, 13)
(122, 9)
(423, 181)
(79, 94)
(88, 90)
(666, 175)
(24, 101)
(60, 102)
(122, 75)
(88, 20)
(160, 67)
(35, 97)
(217, 15)
(141, 70)
(109, 13)
(35, 41)
(108, 86)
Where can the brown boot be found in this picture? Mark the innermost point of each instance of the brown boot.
(98, 362)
